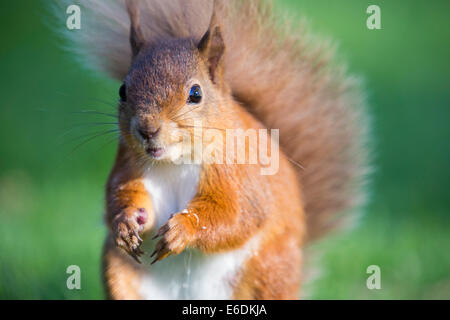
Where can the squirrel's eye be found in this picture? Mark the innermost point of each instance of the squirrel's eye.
(195, 94)
(123, 92)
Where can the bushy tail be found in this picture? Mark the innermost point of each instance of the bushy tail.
(283, 76)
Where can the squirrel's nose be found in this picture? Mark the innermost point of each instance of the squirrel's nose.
(149, 133)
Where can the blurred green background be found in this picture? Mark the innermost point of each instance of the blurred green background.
(51, 188)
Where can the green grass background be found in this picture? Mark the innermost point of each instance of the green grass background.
(51, 190)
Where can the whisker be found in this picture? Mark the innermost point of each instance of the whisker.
(93, 124)
(106, 103)
(92, 138)
(200, 127)
(108, 142)
(188, 119)
(95, 112)
(63, 135)
(88, 134)
(177, 118)
(296, 163)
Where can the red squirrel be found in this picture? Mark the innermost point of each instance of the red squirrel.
(207, 230)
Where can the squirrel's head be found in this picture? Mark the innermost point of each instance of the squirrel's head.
(173, 86)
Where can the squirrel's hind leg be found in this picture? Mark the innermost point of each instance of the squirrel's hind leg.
(121, 274)
(274, 273)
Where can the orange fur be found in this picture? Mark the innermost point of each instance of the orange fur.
(120, 274)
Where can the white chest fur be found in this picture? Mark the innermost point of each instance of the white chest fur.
(171, 187)
(191, 274)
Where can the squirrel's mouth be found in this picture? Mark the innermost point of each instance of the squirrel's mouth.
(155, 153)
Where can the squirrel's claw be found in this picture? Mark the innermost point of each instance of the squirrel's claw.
(136, 234)
(164, 253)
(175, 235)
(131, 245)
(135, 257)
(161, 249)
(127, 235)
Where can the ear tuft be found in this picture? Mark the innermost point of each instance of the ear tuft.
(212, 47)
(137, 39)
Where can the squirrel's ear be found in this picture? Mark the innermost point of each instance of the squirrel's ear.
(212, 46)
(137, 39)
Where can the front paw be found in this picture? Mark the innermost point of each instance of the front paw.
(175, 235)
(126, 228)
